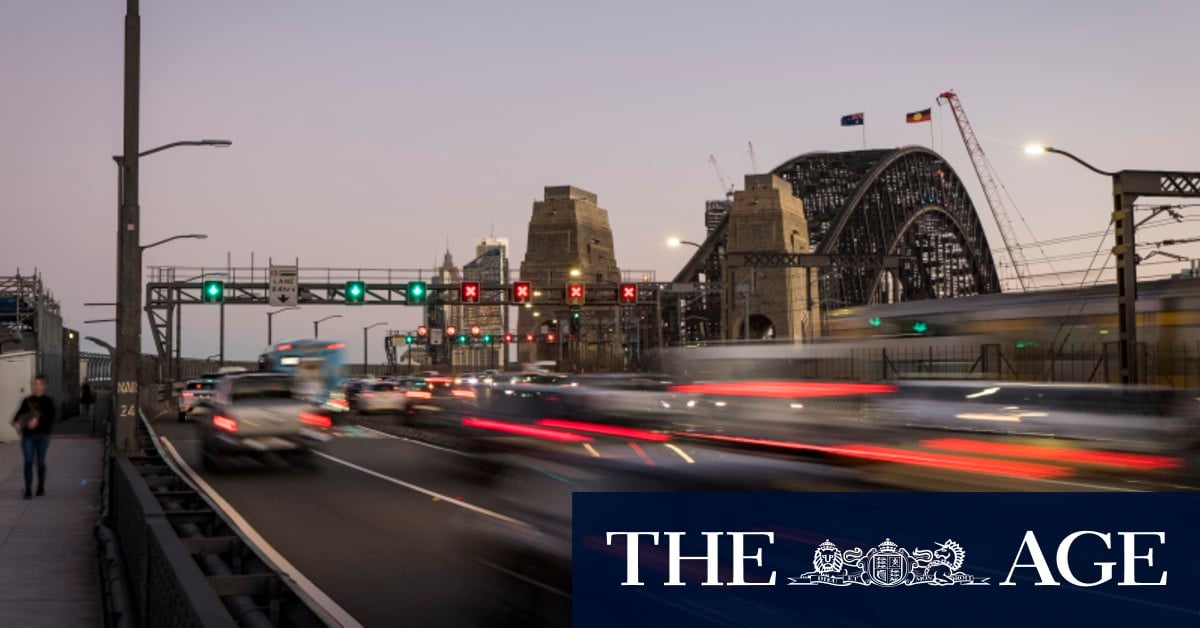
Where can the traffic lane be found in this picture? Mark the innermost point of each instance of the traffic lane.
(379, 550)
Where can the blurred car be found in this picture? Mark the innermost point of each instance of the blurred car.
(257, 414)
(350, 390)
(383, 396)
(467, 379)
(194, 397)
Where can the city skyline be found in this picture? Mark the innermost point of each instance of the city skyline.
(349, 128)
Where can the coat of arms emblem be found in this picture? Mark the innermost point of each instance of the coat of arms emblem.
(888, 565)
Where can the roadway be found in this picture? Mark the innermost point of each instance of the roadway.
(388, 521)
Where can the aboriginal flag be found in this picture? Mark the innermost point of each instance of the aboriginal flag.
(925, 115)
(854, 119)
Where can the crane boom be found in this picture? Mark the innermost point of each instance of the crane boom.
(753, 158)
(991, 186)
(726, 186)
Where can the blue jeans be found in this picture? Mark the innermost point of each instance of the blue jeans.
(31, 445)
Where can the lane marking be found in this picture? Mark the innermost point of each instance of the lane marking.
(414, 441)
(375, 431)
(424, 491)
(335, 613)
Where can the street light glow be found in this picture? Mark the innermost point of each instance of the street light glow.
(674, 242)
(1035, 149)
(575, 272)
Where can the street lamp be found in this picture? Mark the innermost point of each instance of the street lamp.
(575, 272)
(129, 249)
(365, 343)
(183, 236)
(317, 324)
(1127, 186)
(676, 243)
(270, 315)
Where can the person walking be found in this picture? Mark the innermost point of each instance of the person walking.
(35, 420)
(86, 399)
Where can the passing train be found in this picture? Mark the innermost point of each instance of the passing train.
(1066, 335)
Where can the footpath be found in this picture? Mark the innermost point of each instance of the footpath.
(48, 565)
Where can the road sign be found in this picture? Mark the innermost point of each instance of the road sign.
(435, 336)
(285, 286)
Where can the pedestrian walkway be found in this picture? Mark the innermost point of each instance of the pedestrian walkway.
(48, 568)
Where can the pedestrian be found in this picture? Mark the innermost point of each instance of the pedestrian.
(35, 420)
(86, 399)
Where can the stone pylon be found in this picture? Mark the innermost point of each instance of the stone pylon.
(782, 302)
(567, 232)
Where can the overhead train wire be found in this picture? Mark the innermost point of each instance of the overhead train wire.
(1083, 301)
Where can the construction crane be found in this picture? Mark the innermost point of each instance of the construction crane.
(753, 159)
(991, 186)
(725, 184)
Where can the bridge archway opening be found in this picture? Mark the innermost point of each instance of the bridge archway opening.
(761, 328)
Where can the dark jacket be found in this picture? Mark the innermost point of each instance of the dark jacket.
(46, 413)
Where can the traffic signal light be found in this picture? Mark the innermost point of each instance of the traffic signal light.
(416, 292)
(356, 291)
(528, 337)
(875, 321)
(487, 339)
(462, 339)
(422, 331)
(920, 327)
(522, 291)
(576, 319)
(408, 339)
(475, 330)
(627, 293)
(213, 291)
(468, 292)
(508, 338)
(575, 293)
(551, 337)
(451, 330)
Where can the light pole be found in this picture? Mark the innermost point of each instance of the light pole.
(317, 324)
(129, 252)
(676, 243)
(270, 315)
(1127, 186)
(365, 329)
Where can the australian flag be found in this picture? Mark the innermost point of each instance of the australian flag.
(854, 119)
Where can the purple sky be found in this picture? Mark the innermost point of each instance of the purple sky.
(367, 133)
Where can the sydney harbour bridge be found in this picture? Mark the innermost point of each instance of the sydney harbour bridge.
(883, 225)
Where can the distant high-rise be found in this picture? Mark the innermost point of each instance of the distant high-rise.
(715, 212)
(490, 267)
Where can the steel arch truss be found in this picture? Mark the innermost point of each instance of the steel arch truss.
(906, 202)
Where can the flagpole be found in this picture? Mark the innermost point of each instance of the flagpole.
(864, 134)
(931, 147)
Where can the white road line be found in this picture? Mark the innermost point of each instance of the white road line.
(420, 489)
(374, 431)
(335, 613)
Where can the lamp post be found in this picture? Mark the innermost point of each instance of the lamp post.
(1127, 186)
(365, 329)
(317, 324)
(182, 236)
(271, 315)
(129, 252)
(676, 243)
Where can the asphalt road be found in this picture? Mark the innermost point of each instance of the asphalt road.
(387, 553)
(378, 524)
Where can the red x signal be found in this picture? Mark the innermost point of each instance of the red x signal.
(469, 292)
(627, 293)
(575, 293)
(521, 291)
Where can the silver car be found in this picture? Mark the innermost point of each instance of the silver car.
(258, 415)
(194, 398)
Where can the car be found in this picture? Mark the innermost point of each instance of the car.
(384, 396)
(255, 415)
(350, 390)
(194, 397)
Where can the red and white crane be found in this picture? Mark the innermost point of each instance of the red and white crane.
(991, 187)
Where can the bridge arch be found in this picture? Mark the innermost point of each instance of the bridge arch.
(907, 202)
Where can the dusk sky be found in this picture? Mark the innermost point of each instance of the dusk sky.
(367, 133)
